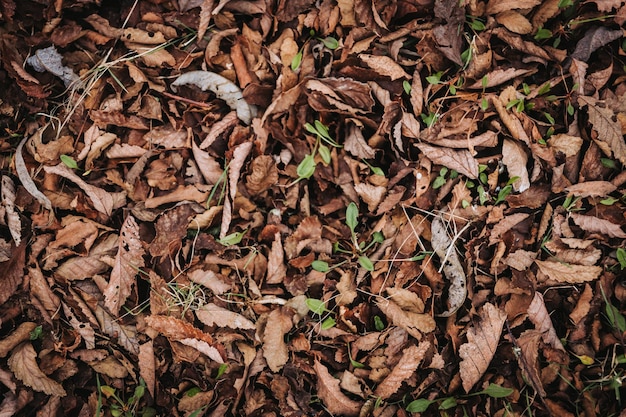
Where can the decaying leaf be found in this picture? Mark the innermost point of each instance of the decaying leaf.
(416, 324)
(595, 225)
(609, 132)
(330, 393)
(572, 274)
(8, 202)
(460, 160)
(515, 159)
(482, 342)
(223, 89)
(538, 314)
(213, 315)
(275, 349)
(452, 268)
(24, 366)
(411, 359)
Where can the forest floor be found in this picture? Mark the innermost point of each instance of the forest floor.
(312, 208)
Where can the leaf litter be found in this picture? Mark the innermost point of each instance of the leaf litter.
(313, 208)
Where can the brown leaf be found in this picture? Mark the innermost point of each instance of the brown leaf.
(330, 393)
(275, 349)
(24, 366)
(8, 202)
(371, 195)
(171, 227)
(411, 359)
(583, 305)
(539, 316)
(482, 342)
(12, 273)
(81, 267)
(340, 94)
(414, 323)
(572, 274)
(610, 138)
(461, 161)
(17, 336)
(214, 315)
(24, 176)
(505, 225)
(498, 6)
(276, 268)
(515, 22)
(384, 65)
(595, 38)
(355, 142)
(591, 189)
(263, 174)
(125, 334)
(240, 154)
(593, 224)
(515, 159)
(127, 263)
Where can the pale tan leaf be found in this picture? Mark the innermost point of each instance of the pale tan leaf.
(505, 225)
(101, 199)
(371, 195)
(514, 21)
(210, 169)
(23, 364)
(12, 273)
(126, 334)
(81, 267)
(263, 175)
(498, 6)
(152, 56)
(203, 347)
(192, 192)
(593, 224)
(499, 76)
(547, 10)
(100, 143)
(110, 367)
(384, 65)
(84, 329)
(406, 299)
(515, 159)
(512, 122)
(521, 259)
(414, 323)
(24, 176)
(529, 364)
(461, 161)
(411, 359)
(562, 142)
(275, 349)
(17, 336)
(347, 288)
(329, 391)
(219, 128)
(610, 138)
(240, 154)
(209, 279)
(443, 246)
(276, 268)
(482, 342)
(355, 142)
(142, 36)
(223, 89)
(591, 189)
(572, 274)
(13, 218)
(127, 263)
(539, 316)
(417, 93)
(583, 305)
(214, 315)
(206, 14)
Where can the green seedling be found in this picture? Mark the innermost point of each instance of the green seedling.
(621, 257)
(36, 333)
(353, 362)
(435, 78)
(121, 408)
(318, 307)
(542, 34)
(375, 170)
(440, 180)
(378, 323)
(296, 61)
(407, 87)
(231, 239)
(505, 191)
(476, 24)
(69, 161)
(429, 119)
(608, 163)
(421, 404)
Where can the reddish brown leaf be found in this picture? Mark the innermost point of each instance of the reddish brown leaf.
(330, 393)
(595, 225)
(461, 161)
(24, 366)
(411, 359)
(572, 274)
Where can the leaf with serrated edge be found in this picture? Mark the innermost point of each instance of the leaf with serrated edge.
(482, 342)
(593, 224)
(411, 358)
(461, 161)
(23, 364)
(572, 274)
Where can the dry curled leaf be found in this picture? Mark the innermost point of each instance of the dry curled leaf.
(411, 359)
(595, 225)
(275, 349)
(329, 391)
(461, 161)
(443, 246)
(482, 342)
(572, 274)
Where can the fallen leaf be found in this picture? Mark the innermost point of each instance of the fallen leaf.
(214, 315)
(414, 323)
(17, 336)
(515, 159)
(505, 225)
(515, 22)
(24, 366)
(461, 161)
(384, 65)
(539, 316)
(591, 189)
(595, 38)
(408, 364)
(275, 349)
(263, 174)
(128, 262)
(572, 274)
(13, 218)
(482, 342)
(329, 391)
(443, 246)
(593, 224)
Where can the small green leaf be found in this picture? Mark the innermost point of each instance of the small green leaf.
(378, 323)
(543, 34)
(570, 109)
(477, 25)
(139, 391)
(316, 306)
(306, 168)
(434, 78)
(447, 403)
(483, 177)
(484, 104)
(356, 364)
(420, 256)
(221, 370)
(544, 89)
(407, 87)
(438, 182)
(322, 129)
(329, 323)
(378, 237)
(465, 204)
(320, 266)
(419, 406)
(549, 117)
(330, 42)
(443, 171)
(377, 171)
(621, 257)
(195, 390)
(324, 153)
(609, 201)
(497, 391)
(352, 214)
(429, 119)
(565, 3)
(36, 333)
(232, 239)
(366, 263)
(526, 88)
(608, 163)
(483, 196)
(296, 61)
(504, 192)
(69, 161)
(311, 129)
